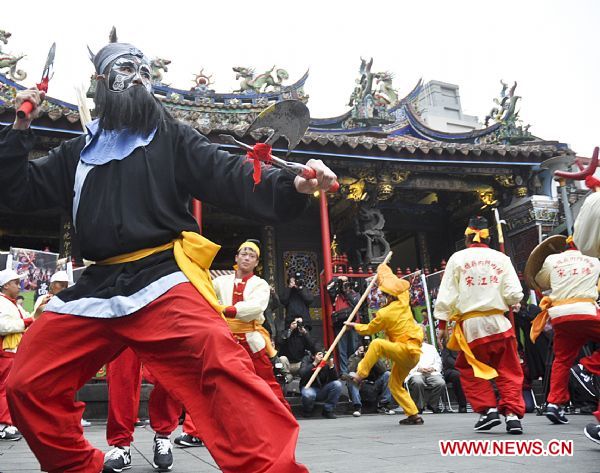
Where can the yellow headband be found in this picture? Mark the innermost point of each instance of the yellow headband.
(253, 246)
(479, 234)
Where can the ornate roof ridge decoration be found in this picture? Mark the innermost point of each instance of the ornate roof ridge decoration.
(51, 107)
(252, 94)
(9, 61)
(414, 144)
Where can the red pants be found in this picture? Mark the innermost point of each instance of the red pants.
(124, 382)
(188, 347)
(124, 378)
(502, 356)
(6, 363)
(263, 368)
(569, 337)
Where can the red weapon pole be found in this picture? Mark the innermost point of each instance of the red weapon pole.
(327, 267)
(27, 107)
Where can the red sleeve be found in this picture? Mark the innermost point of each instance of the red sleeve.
(28, 321)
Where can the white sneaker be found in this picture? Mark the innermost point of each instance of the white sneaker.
(117, 460)
(356, 413)
(10, 433)
(85, 423)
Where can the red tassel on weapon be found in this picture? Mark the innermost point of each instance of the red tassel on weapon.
(260, 152)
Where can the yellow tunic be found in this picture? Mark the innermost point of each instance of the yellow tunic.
(403, 347)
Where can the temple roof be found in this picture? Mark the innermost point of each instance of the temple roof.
(378, 119)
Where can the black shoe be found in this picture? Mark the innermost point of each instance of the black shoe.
(556, 414)
(592, 431)
(9, 433)
(513, 425)
(163, 454)
(487, 421)
(117, 460)
(462, 409)
(585, 379)
(306, 414)
(187, 440)
(383, 409)
(328, 414)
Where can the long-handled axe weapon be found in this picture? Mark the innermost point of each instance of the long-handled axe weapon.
(26, 107)
(288, 119)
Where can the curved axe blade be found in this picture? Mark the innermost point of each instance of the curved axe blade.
(288, 119)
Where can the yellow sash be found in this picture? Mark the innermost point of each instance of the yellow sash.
(193, 253)
(11, 341)
(538, 324)
(458, 342)
(239, 326)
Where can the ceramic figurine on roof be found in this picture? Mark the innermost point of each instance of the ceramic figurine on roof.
(385, 94)
(369, 107)
(250, 83)
(202, 82)
(159, 65)
(505, 114)
(9, 61)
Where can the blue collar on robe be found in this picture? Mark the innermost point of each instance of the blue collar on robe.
(103, 146)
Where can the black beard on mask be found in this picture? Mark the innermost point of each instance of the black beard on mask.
(134, 109)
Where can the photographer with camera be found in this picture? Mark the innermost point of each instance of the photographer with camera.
(326, 387)
(293, 345)
(344, 298)
(374, 387)
(296, 299)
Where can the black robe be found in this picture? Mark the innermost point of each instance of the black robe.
(139, 202)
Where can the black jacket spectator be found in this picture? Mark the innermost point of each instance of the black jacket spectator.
(343, 298)
(294, 344)
(297, 301)
(448, 359)
(326, 375)
(376, 372)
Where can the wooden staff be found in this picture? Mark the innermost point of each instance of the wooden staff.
(345, 327)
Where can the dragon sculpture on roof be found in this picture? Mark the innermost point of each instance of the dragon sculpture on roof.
(258, 84)
(9, 61)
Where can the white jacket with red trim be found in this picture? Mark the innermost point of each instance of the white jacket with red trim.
(571, 275)
(256, 299)
(479, 279)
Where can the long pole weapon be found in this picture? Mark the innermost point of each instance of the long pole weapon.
(511, 315)
(345, 327)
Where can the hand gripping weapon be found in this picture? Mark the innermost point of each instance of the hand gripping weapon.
(345, 327)
(27, 107)
(288, 119)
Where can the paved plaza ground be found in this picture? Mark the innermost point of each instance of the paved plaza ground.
(370, 444)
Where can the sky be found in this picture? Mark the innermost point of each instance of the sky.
(551, 48)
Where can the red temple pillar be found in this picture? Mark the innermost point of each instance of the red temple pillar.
(327, 270)
(197, 212)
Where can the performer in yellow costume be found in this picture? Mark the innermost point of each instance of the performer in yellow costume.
(402, 344)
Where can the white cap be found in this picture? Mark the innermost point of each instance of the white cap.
(59, 276)
(8, 275)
